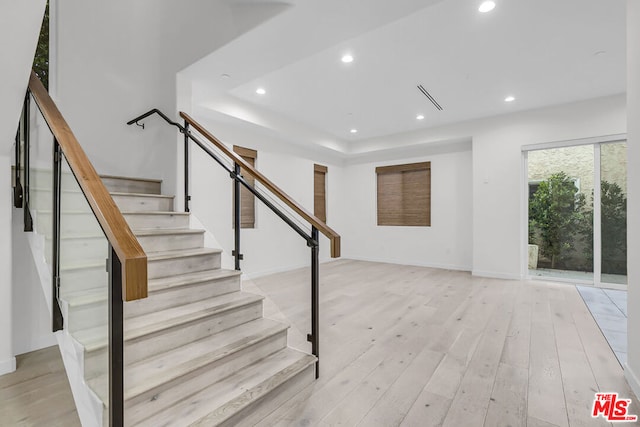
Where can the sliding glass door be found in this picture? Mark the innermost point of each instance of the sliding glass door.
(577, 213)
(613, 212)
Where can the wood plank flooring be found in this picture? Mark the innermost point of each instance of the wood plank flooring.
(37, 393)
(405, 346)
(413, 346)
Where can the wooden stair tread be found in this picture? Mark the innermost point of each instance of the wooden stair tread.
(125, 212)
(76, 236)
(128, 178)
(180, 253)
(166, 231)
(85, 265)
(154, 256)
(151, 196)
(164, 283)
(86, 296)
(94, 338)
(153, 372)
(222, 400)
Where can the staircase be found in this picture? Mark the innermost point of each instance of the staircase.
(198, 350)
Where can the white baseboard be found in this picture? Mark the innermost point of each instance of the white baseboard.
(256, 274)
(632, 379)
(7, 366)
(414, 264)
(495, 275)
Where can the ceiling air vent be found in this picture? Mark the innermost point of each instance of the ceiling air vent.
(429, 97)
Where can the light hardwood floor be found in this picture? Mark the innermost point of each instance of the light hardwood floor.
(37, 393)
(406, 346)
(416, 346)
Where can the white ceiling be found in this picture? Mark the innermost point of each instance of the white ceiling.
(543, 52)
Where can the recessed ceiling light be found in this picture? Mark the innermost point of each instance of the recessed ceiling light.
(225, 76)
(486, 6)
(260, 91)
(509, 98)
(354, 131)
(420, 117)
(347, 58)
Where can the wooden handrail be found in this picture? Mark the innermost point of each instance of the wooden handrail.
(115, 227)
(334, 237)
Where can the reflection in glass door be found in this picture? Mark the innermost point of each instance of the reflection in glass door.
(613, 212)
(577, 213)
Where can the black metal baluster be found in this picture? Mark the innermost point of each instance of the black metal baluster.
(116, 342)
(236, 216)
(57, 319)
(17, 188)
(315, 298)
(28, 220)
(187, 196)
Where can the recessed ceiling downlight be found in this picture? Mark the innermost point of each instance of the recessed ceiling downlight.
(420, 117)
(261, 91)
(486, 6)
(354, 131)
(510, 98)
(347, 58)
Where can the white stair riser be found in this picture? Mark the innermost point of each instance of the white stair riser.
(166, 395)
(124, 185)
(182, 265)
(259, 409)
(96, 362)
(70, 223)
(88, 316)
(69, 200)
(43, 179)
(159, 221)
(90, 250)
(83, 278)
(180, 295)
(143, 204)
(170, 242)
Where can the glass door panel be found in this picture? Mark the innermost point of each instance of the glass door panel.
(613, 216)
(561, 184)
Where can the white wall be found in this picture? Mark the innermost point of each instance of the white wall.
(7, 360)
(477, 212)
(632, 370)
(497, 189)
(19, 29)
(498, 244)
(31, 316)
(446, 244)
(119, 59)
(272, 246)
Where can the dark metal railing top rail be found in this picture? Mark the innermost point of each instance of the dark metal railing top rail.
(239, 164)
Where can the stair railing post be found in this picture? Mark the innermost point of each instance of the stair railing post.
(28, 221)
(57, 319)
(17, 188)
(116, 342)
(187, 196)
(236, 216)
(315, 298)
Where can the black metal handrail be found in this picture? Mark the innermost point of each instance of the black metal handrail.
(312, 239)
